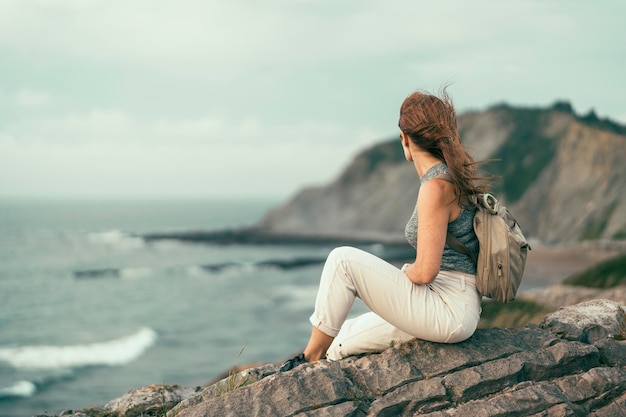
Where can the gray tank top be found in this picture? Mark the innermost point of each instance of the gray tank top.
(462, 228)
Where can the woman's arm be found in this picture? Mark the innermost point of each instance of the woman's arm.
(435, 205)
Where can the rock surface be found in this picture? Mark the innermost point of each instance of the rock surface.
(571, 364)
(151, 399)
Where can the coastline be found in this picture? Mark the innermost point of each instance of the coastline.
(547, 264)
(257, 236)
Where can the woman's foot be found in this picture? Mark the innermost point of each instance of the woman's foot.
(292, 363)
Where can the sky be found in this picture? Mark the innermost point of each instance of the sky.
(251, 98)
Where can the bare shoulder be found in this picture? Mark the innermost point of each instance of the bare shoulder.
(436, 191)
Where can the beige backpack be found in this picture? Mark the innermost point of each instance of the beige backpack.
(502, 249)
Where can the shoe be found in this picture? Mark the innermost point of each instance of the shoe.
(292, 363)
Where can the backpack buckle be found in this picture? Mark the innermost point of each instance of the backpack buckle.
(489, 202)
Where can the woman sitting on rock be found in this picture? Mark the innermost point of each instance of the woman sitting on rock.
(433, 298)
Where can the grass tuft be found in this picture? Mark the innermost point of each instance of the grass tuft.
(234, 379)
(517, 313)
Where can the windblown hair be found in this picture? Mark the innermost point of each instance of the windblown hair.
(430, 122)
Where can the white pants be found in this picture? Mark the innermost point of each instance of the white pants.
(447, 310)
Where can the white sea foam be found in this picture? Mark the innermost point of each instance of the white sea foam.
(116, 239)
(297, 297)
(19, 389)
(135, 273)
(194, 271)
(112, 353)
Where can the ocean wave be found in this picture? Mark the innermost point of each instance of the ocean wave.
(112, 353)
(19, 389)
(228, 268)
(97, 273)
(116, 239)
(25, 388)
(286, 264)
(294, 297)
(278, 264)
(135, 273)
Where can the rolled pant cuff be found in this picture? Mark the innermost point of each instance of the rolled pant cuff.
(317, 323)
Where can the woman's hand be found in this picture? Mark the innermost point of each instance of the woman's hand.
(414, 275)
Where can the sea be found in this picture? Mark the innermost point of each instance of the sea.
(90, 308)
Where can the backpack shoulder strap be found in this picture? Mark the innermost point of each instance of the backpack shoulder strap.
(452, 240)
(458, 246)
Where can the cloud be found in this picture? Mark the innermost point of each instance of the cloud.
(109, 152)
(222, 36)
(203, 127)
(28, 98)
(243, 92)
(72, 128)
(116, 126)
(158, 169)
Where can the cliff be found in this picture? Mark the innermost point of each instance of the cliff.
(572, 363)
(562, 175)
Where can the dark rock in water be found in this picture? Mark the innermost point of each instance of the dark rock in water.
(97, 273)
(572, 364)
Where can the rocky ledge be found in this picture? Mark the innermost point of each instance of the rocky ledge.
(571, 364)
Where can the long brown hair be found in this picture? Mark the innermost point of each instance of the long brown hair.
(430, 122)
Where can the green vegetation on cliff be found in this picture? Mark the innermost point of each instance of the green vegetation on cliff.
(607, 274)
(522, 158)
(527, 151)
(371, 159)
(596, 226)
